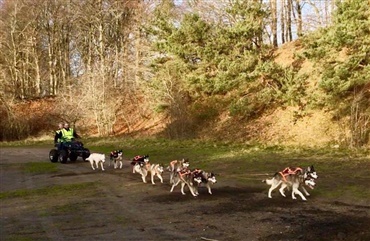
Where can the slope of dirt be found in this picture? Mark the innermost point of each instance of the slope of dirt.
(281, 126)
(120, 207)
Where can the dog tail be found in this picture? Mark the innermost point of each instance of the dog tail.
(268, 181)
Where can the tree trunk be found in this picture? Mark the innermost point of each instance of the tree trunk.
(282, 21)
(299, 18)
(274, 20)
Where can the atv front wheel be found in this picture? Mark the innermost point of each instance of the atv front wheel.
(63, 156)
(53, 155)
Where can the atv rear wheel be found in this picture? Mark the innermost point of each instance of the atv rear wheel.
(63, 156)
(53, 155)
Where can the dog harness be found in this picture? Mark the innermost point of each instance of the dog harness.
(136, 158)
(199, 173)
(183, 172)
(173, 163)
(288, 171)
(114, 154)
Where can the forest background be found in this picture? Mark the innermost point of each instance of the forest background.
(277, 72)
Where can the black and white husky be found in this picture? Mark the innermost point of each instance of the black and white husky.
(116, 158)
(139, 160)
(145, 168)
(206, 178)
(186, 178)
(176, 166)
(295, 178)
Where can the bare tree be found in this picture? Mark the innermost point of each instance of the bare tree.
(282, 20)
(273, 7)
(288, 19)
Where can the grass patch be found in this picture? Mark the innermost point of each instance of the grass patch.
(346, 191)
(40, 167)
(70, 189)
(20, 237)
(242, 161)
(74, 207)
(27, 143)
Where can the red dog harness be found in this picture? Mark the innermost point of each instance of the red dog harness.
(287, 171)
(137, 158)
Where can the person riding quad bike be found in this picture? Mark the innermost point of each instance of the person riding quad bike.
(66, 146)
(65, 135)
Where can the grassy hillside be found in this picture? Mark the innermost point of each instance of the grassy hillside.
(191, 77)
(278, 125)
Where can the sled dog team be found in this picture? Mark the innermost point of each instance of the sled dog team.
(180, 173)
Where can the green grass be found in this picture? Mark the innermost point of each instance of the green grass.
(210, 150)
(243, 161)
(40, 167)
(20, 237)
(346, 191)
(27, 143)
(73, 207)
(68, 189)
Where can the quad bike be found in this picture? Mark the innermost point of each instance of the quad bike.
(71, 150)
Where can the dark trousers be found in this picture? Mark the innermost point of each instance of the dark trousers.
(59, 146)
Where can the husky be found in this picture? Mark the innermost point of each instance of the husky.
(139, 160)
(156, 170)
(96, 158)
(176, 166)
(185, 177)
(310, 174)
(295, 178)
(145, 168)
(206, 178)
(308, 181)
(116, 158)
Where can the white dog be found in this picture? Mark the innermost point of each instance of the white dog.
(96, 158)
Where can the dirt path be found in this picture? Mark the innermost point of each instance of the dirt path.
(120, 207)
